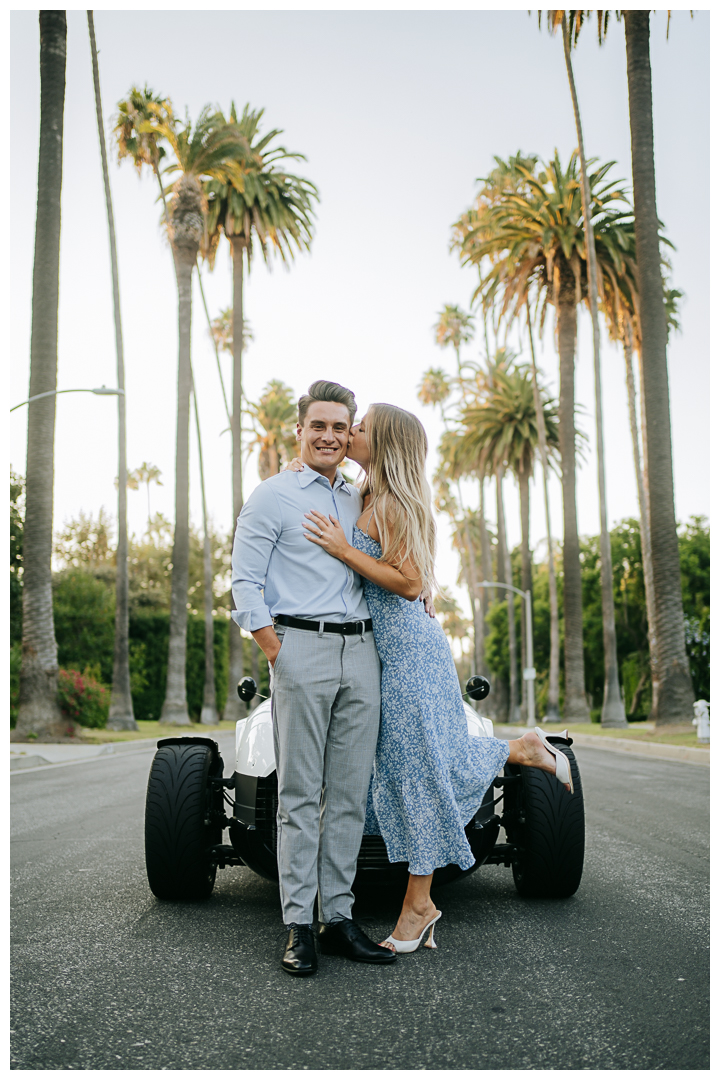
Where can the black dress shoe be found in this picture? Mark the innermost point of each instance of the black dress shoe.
(300, 957)
(345, 938)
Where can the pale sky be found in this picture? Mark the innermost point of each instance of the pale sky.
(397, 113)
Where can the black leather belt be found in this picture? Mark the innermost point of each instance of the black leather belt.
(357, 626)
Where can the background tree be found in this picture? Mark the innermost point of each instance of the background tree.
(274, 417)
(454, 327)
(452, 620)
(501, 428)
(209, 149)
(552, 708)
(138, 130)
(38, 709)
(271, 208)
(209, 714)
(121, 716)
(620, 307)
(434, 390)
(146, 474)
(17, 525)
(613, 709)
(673, 692)
(529, 225)
(672, 684)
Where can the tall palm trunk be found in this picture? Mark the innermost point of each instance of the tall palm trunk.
(472, 584)
(495, 704)
(121, 716)
(38, 709)
(673, 691)
(613, 709)
(466, 574)
(485, 564)
(552, 711)
(505, 566)
(526, 583)
(209, 713)
(485, 552)
(234, 708)
(186, 232)
(642, 502)
(576, 706)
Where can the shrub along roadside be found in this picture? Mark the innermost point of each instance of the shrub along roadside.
(83, 699)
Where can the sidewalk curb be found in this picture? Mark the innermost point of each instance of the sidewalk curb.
(35, 762)
(689, 755)
(26, 762)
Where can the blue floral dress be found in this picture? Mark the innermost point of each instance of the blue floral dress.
(430, 774)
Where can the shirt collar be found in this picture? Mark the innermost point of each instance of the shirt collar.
(308, 475)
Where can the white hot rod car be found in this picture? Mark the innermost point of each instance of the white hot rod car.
(190, 804)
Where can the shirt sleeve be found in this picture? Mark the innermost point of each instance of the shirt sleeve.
(257, 531)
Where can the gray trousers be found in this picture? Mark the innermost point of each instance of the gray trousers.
(326, 716)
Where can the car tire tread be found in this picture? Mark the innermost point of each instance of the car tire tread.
(176, 836)
(551, 836)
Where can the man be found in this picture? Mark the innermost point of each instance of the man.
(308, 615)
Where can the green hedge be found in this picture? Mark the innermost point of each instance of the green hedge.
(149, 636)
(84, 613)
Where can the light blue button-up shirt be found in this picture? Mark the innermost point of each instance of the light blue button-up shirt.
(276, 571)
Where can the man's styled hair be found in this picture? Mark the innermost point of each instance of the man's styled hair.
(322, 390)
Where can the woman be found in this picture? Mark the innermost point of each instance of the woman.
(430, 775)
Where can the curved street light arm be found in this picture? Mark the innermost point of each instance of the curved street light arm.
(500, 585)
(81, 390)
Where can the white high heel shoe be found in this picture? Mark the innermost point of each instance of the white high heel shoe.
(411, 946)
(562, 765)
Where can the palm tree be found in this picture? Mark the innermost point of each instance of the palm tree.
(220, 330)
(502, 429)
(620, 308)
(267, 206)
(209, 712)
(121, 716)
(673, 695)
(454, 327)
(210, 149)
(529, 225)
(274, 435)
(434, 390)
(138, 131)
(38, 709)
(146, 474)
(672, 683)
(453, 622)
(613, 709)
(552, 709)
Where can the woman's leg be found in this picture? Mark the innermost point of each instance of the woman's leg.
(417, 910)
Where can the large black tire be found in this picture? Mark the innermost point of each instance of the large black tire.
(548, 826)
(177, 837)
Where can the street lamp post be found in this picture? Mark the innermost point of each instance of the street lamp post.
(82, 390)
(529, 672)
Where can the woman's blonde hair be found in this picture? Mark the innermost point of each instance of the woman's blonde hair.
(402, 499)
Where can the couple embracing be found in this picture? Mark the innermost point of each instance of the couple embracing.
(335, 582)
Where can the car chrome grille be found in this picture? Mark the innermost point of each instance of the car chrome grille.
(373, 854)
(266, 802)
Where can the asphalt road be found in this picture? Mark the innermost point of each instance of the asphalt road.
(107, 977)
